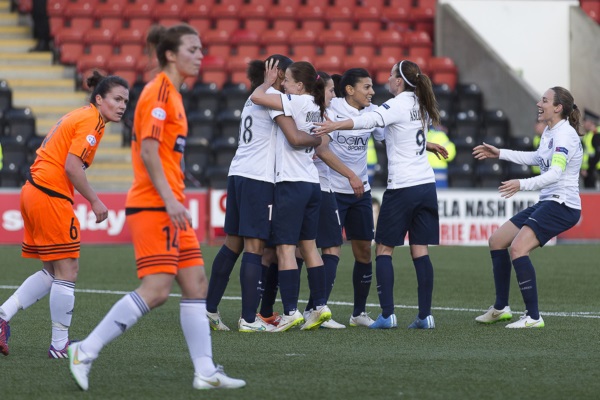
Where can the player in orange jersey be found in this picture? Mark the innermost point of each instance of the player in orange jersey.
(166, 246)
(51, 227)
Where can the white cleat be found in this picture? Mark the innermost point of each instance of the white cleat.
(289, 321)
(79, 365)
(215, 322)
(361, 319)
(218, 380)
(492, 315)
(257, 326)
(527, 322)
(316, 318)
(331, 324)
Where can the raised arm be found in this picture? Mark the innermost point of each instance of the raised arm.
(260, 96)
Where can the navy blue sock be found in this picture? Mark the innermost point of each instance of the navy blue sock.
(316, 285)
(362, 275)
(330, 262)
(424, 270)
(219, 277)
(288, 286)
(270, 283)
(526, 279)
(299, 262)
(250, 274)
(501, 267)
(384, 271)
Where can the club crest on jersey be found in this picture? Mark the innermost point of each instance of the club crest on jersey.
(91, 139)
(551, 143)
(386, 106)
(562, 150)
(179, 144)
(289, 96)
(159, 114)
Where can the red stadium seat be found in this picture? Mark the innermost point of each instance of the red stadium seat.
(135, 33)
(315, 25)
(303, 52)
(419, 44)
(168, 9)
(344, 3)
(56, 8)
(73, 33)
(135, 50)
(139, 9)
(340, 18)
(282, 11)
(274, 36)
(406, 4)
(428, 4)
(109, 9)
(360, 37)
(357, 61)
(443, 70)
(311, 11)
(397, 18)
(265, 3)
(367, 13)
(201, 25)
(423, 19)
(91, 61)
(329, 64)
(226, 17)
(70, 53)
(285, 24)
(371, 26)
(362, 50)
(121, 62)
(200, 10)
(56, 24)
(257, 25)
(244, 36)
(248, 50)
(98, 36)
(277, 49)
(217, 36)
(373, 3)
(423, 64)
(301, 36)
(330, 37)
(129, 75)
(83, 8)
(168, 22)
(254, 17)
(339, 50)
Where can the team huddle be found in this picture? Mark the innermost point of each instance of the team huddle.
(297, 182)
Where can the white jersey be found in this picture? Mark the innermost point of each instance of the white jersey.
(350, 146)
(296, 164)
(255, 155)
(559, 157)
(405, 140)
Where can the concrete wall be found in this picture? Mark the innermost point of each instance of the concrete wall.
(585, 60)
(478, 63)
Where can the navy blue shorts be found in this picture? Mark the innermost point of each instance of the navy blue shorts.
(295, 212)
(330, 230)
(356, 215)
(547, 219)
(249, 206)
(414, 210)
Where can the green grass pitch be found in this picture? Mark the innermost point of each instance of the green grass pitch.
(458, 360)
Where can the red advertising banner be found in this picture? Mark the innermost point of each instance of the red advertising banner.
(588, 227)
(112, 230)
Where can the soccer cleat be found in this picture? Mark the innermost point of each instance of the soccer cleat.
(79, 366)
(273, 319)
(527, 322)
(427, 323)
(53, 353)
(257, 326)
(289, 321)
(218, 380)
(361, 319)
(215, 322)
(492, 315)
(316, 317)
(384, 323)
(331, 324)
(4, 335)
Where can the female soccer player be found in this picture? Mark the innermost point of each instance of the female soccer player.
(297, 192)
(251, 184)
(410, 201)
(51, 227)
(559, 157)
(165, 244)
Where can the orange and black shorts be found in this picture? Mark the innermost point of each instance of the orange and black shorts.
(161, 248)
(50, 225)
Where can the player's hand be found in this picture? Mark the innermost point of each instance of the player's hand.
(484, 151)
(437, 149)
(509, 188)
(179, 215)
(99, 210)
(271, 71)
(357, 185)
(323, 128)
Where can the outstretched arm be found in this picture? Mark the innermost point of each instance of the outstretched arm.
(295, 137)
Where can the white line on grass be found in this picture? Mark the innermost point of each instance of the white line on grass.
(577, 314)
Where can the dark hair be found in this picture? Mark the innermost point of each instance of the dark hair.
(336, 85)
(256, 69)
(351, 77)
(570, 110)
(100, 84)
(161, 39)
(304, 72)
(416, 81)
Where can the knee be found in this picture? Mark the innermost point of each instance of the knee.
(517, 251)
(362, 252)
(495, 243)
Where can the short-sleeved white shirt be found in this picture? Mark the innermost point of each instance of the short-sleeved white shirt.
(296, 164)
(255, 155)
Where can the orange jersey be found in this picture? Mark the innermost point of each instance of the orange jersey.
(159, 115)
(79, 133)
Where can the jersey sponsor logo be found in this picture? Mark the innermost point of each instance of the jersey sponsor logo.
(551, 143)
(354, 143)
(91, 139)
(179, 144)
(386, 106)
(562, 150)
(159, 114)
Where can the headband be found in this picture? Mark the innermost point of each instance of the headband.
(401, 74)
